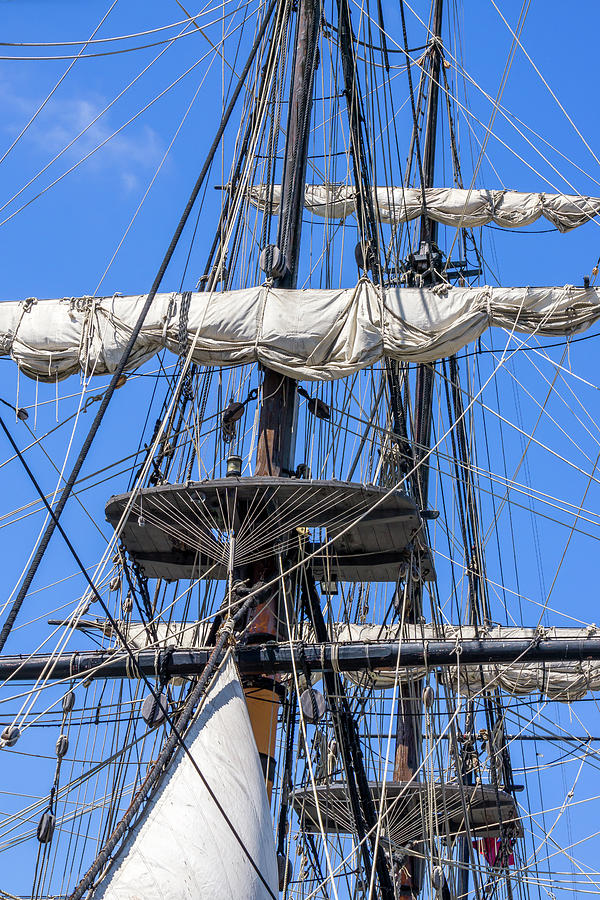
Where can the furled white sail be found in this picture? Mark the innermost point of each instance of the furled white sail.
(183, 848)
(307, 334)
(141, 636)
(563, 681)
(457, 207)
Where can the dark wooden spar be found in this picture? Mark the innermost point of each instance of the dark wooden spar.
(277, 422)
(278, 658)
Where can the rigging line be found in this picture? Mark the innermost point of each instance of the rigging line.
(34, 692)
(523, 488)
(569, 372)
(495, 110)
(53, 495)
(398, 800)
(132, 376)
(80, 482)
(199, 687)
(57, 85)
(292, 567)
(394, 705)
(416, 128)
(34, 506)
(166, 755)
(509, 117)
(542, 732)
(206, 38)
(120, 37)
(39, 687)
(61, 478)
(540, 444)
(154, 177)
(304, 733)
(43, 437)
(115, 133)
(517, 594)
(531, 494)
(90, 124)
(567, 341)
(564, 553)
(102, 143)
(17, 603)
(553, 95)
(544, 410)
(532, 439)
(99, 53)
(560, 849)
(563, 399)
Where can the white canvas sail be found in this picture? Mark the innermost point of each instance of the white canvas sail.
(183, 848)
(562, 681)
(457, 207)
(307, 334)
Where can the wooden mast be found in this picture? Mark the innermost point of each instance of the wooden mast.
(429, 249)
(277, 423)
(410, 703)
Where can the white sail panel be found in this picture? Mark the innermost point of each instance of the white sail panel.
(307, 334)
(457, 207)
(183, 848)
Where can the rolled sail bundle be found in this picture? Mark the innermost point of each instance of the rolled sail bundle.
(224, 848)
(307, 334)
(562, 681)
(565, 682)
(456, 207)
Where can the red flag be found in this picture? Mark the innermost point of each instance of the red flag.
(491, 849)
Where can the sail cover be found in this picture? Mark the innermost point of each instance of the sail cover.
(307, 334)
(183, 848)
(457, 207)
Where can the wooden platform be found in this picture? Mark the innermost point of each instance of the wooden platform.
(409, 806)
(185, 529)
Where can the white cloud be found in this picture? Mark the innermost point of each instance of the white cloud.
(127, 155)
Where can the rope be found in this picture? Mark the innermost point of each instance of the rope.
(173, 743)
(184, 309)
(70, 481)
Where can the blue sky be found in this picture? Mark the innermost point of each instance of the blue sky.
(63, 241)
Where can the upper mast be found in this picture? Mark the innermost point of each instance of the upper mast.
(276, 438)
(429, 257)
(429, 227)
(277, 422)
(410, 703)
